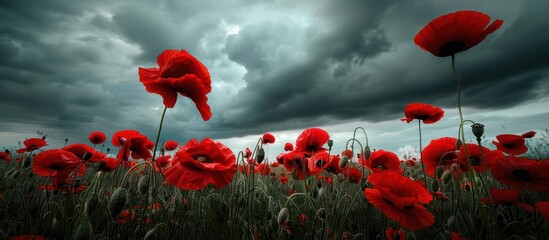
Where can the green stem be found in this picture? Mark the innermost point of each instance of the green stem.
(421, 156)
(158, 134)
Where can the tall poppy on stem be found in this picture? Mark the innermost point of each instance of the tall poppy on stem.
(453, 33)
(513, 144)
(178, 72)
(429, 114)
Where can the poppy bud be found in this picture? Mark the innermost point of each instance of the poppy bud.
(367, 152)
(260, 155)
(283, 215)
(27, 162)
(434, 186)
(343, 162)
(330, 143)
(446, 177)
(117, 202)
(478, 130)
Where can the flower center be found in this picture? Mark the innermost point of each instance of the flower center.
(451, 48)
(202, 158)
(521, 174)
(381, 167)
(475, 160)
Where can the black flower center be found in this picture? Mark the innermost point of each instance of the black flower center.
(451, 48)
(380, 166)
(521, 174)
(474, 160)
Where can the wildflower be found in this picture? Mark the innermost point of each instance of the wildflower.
(427, 113)
(198, 164)
(170, 145)
(381, 161)
(455, 32)
(32, 144)
(97, 137)
(5, 155)
(131, 142)
(179, 72)
(353, 174)
(480, 158)
(439, 152)
(400, 199)
(522, 173)
(318, 162)
(268, 138)
(312, 140)
(513, 144)
(288, 147)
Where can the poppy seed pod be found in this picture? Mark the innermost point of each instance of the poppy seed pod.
(367, 152)
(260, 155)
(330, 143)
(478, 130)
(343, 162)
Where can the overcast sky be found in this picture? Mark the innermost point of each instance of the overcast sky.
(70, 67)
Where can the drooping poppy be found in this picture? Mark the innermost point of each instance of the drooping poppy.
(429, 114)
(400, 199)
(198, 164)
(179, 72)
(97, 137)
(513, 144)
(382, 161)
(480, 158)
(288, 147)
(522, 173)
(312, 140)
(455, 32)
(170, 145)
(439, 152)
(132, 143)
(32, 144)
(268, 138)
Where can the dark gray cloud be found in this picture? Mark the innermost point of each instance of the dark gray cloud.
(71, 67)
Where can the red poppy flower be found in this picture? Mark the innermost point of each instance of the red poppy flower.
(288, 147)
(502, 196)
(543, 209)
(334, 166)
(32, 144)
(476, 156)
(318, 162)
(353, 174)
(268, 138)
(179, 72)
(522, 173)
(79, 149)
(196, 165)
(170, 145)
(248, 153)
(97, 137)
(50, 162)
(348, 153)
(439, 152)
(5, 155)
(27, 237)
(427, 113)
(296, 162)
(263, 169)
(131, 142)
(312, 140)
(400, 199)
(107, 164)
(455, 32)
(513, 144)
(393, 234)
(382, 161)
(283, 179)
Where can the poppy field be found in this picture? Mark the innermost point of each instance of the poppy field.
(133, 186)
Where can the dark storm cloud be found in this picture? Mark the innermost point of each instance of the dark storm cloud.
(72, 65)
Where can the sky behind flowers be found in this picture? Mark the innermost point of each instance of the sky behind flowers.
(69, 68)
